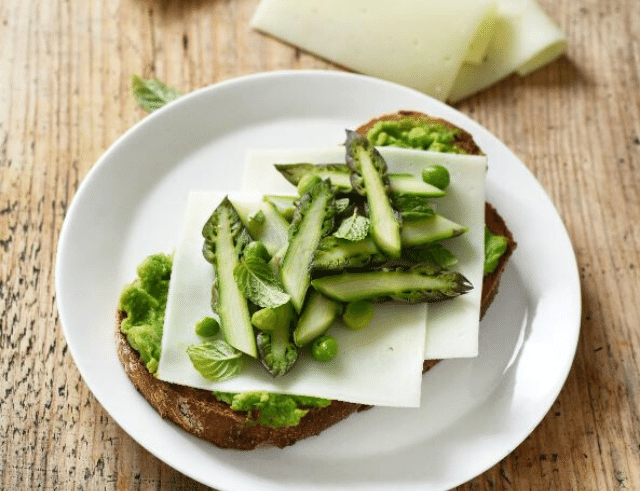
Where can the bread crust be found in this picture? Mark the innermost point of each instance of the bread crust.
(198, 412)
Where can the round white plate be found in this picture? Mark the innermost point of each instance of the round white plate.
(474, 411)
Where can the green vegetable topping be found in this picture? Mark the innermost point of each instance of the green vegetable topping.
(414, 133)
(354, 228)
(216, 359)
(257, 249)
(272, 410)
(277, 353)
(152, 94)
(369, 178)
(207, 327)
(307, 182)
(313, 220)
(224, 238)
(436, 175)
(265, 319)
(357, 314)
(259, 283)
(494, 247)
(144, 302)
(324, 348)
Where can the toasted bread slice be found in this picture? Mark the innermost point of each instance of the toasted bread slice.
(201, 414)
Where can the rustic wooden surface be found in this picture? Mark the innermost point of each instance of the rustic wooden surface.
(65, 68)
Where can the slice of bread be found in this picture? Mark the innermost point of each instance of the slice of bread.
(201, 414)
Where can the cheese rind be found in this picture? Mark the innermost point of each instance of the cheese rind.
(452, 331)
(417, 44)
(377, 366)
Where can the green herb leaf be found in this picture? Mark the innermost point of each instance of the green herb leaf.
(354, 228)
(257, 281)
(412, 206)
(216, 360)
(152, 94)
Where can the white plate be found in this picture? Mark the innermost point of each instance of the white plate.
(474, 411)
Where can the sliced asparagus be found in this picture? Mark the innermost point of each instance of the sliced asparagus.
(317, 316)
(224, 237)
(312, 220)
(369, 178)
(339, 175)
(428, 230)
(334, 254)
(418, 284)
(271, 228)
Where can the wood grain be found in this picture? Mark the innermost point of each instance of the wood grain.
(65, 71)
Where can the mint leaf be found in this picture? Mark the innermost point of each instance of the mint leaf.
(354, 228)
(152, 94)
(216, 360)
(412, 206)
(257, 281)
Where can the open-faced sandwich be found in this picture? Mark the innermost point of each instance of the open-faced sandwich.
(287, 309)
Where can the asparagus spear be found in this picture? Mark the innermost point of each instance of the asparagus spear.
(369, 178)
(225, 236)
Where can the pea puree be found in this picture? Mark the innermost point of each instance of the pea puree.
(414, 133)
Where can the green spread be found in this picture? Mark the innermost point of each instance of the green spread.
(144, 302)
(273, 410)
(414, 133)
(494, 247)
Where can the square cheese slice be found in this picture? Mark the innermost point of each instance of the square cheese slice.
(381, 365)
(420, 44)
(452, 329)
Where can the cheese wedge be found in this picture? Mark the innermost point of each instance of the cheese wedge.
(381, 365)
(420, 44)
(524, 39)
(452, 330)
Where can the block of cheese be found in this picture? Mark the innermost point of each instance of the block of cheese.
(417, 44)
(380, 365)
(524, 39)
(452, 330)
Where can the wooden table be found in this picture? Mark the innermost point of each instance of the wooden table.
(65, 69)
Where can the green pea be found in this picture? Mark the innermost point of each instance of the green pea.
(207, 327)
(307, 182)
(257, 249)
(265, 319)
(436, 175)
(324, 348)
(358, 314)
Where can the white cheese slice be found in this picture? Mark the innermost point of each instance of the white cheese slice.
(452, 331)
(379, 366)
(524, 39)
(417, 44)
(480, 43)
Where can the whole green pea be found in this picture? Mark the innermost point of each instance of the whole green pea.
(324, 348)
(437, 176)
(207, 327)
(358, 314)
(265, 319)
